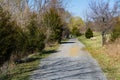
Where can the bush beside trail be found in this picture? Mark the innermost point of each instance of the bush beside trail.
(89, 33)
(16, 42)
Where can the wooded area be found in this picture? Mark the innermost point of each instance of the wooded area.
(28, 26)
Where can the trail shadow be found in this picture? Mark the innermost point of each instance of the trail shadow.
(31, 59)
(26, 60)
(49, 51)
(28, 69)
(67, 42)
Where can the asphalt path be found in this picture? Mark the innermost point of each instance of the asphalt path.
(70, 62)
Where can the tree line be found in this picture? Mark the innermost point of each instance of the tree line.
(26, 26)
(104, 18)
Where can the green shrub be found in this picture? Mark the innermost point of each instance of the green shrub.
(53, 22)
(7, 35)
(14, 41)
(115, 34)
(12, 38)
(35, 37)
(40, 41)
(88, 33)
(76, 31)
(116, 30)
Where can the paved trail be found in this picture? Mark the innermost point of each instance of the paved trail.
(69, 63)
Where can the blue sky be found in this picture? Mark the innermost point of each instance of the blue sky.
(79, 7)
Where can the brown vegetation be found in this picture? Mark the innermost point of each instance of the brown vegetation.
(112, 64)
(113, 50)
(108, 56)
(103, 16)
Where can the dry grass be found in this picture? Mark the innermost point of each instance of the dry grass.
(108, 56)
(113, 50)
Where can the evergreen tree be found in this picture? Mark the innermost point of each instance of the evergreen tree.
(88, 33)
(8, 35)
(116, 30)
(35, 36)
(53, 21)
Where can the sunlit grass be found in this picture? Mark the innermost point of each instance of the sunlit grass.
(106, 62)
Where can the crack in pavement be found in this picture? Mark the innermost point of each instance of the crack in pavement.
(69, 63)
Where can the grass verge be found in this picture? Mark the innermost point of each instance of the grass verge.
(110, 67)
(22, 71)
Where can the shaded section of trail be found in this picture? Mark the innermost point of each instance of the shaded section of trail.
(69, 63)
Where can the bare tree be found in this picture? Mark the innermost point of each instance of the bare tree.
(103, 16)
(22, 9)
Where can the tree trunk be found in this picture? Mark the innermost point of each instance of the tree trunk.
(103, 38)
